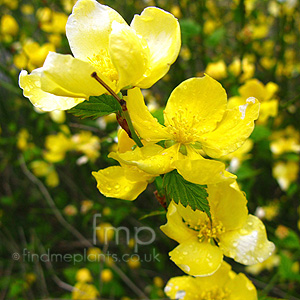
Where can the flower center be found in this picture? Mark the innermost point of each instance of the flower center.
(183, 127)
(207, 230)
(210, 232)
(215, 294)
(104, 64)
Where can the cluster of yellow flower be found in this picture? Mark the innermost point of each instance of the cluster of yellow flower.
(199, 123)
(56, 148)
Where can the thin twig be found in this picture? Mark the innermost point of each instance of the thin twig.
(52, 205)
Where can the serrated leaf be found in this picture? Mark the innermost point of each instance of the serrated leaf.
(180, 190)
(96, 106)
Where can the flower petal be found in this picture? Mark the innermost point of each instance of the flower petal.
(162, 32)
(31, 85)
(88, 28)
(197, 101)
(268, 109)
(202, 171)
(64, 75)
(151, 158)
(226, 200)
(253, 88)
(145, 124)
(121, 182)
(129, 54)
(236, 125)
(249, 245)
(241, 288)
(175, 228)
(197, 258)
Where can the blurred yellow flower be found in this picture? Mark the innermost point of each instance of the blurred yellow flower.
(41, 168)
(217, 70)
(105, 232)
(22, 139)
(284, 141)
(106, 275)
(224, 284)
(134, 262)
(9, 26)
(123, 56)
(56, 147)
(87, 143)
(244, 69)
(286, 173)
(70, 210)
(202, 242)
(52, 21)
(268, 264)
(84, 291)
(265, 94)
(32, 55)
(84, 275)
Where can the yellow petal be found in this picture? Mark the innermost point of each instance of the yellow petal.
(31, 85)
(203, 171)
(198, 101)
(145, 124)
(197, 258)
(235, 127)
(64, 75)
(114, 182)
(226, 200)
(238, 286)
(271, 88)
(241, 288)
(151, 158)
(129, 54)
(182, 288)
(253, 88)
(125, 143)
(268, 109)
(175, 228)
(162, 32)
(248, 245)
(88, 28)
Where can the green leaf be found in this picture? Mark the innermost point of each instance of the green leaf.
(180, 190)
(96, 106)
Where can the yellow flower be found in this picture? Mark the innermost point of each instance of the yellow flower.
(286, 140)
(202, 243)
(56, 147)
(22, 139)
(245, 67)
(84, 291)
(84, 275)
(217, 70)
(87, 143)
(265, 94)
(286, 173)
(106, 275)
(43, 169)
(9, 25)
(268, 264)
(105, 232)
(33, 55)
(224, 284)
(123, 56)
(196, 118)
